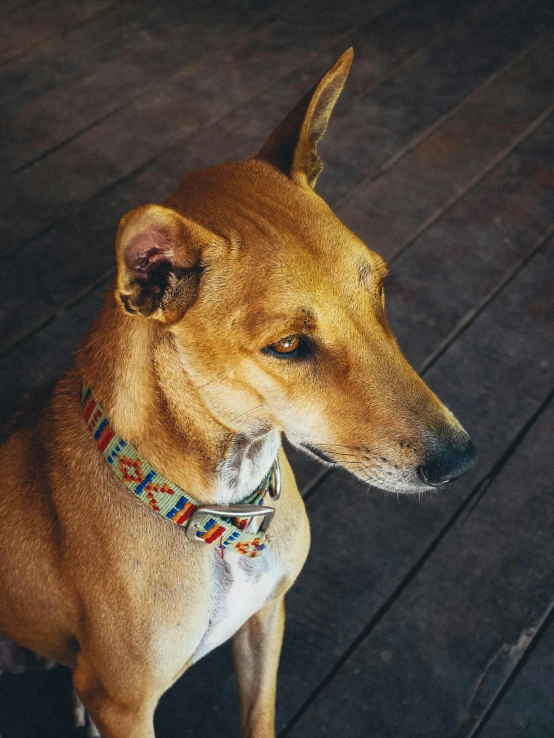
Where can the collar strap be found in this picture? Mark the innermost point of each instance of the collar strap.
(222, 524)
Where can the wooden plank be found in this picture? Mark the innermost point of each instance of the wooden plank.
(8, 6)
(397, 112)
(104, 154)
(127, 29)
(77, 180)
(388, 106)
(432, 665)
(123, 28)
(389, 212)
(88, 233)
(495, 226)
(30, 25)
(32, 130)
(527, 707)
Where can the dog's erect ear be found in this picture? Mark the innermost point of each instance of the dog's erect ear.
(292, 147)
(159, 256)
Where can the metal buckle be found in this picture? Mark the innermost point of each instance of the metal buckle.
(228, 511)
(275, 486)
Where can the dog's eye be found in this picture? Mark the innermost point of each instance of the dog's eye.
(289, 346)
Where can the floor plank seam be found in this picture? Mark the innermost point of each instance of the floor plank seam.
(75, 300)
(470, 317)
(23, 6)
(309, 488)
(439, 122)
(491, 166)
(197, 65)
(480, 681)
(72, 210)
(518, 666)
(48, 39)
(367, 21)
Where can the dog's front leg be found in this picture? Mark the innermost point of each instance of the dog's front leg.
(115, 715)
(256, 651)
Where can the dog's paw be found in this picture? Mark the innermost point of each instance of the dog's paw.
(86, 728)
(91, 730)
(79, 712)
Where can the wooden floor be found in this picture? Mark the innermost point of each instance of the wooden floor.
(413, 618)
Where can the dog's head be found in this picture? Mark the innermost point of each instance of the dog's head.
(277, 311)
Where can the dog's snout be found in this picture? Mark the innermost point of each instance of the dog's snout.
(447, 461)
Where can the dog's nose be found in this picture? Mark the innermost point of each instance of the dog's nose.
(447, 461)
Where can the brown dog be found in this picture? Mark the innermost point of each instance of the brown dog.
(243, 308)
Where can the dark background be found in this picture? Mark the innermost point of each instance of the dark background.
(413, 618)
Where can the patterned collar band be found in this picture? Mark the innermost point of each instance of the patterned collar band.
(224, 525)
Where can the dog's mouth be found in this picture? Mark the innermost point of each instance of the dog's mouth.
(407, 483)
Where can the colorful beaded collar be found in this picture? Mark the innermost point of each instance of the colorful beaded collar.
(224, 525)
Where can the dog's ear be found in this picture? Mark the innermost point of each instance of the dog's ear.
(159, 257)
(292, 147)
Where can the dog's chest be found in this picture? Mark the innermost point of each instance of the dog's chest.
(239, 587)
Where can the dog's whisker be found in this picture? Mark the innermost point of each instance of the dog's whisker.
(215, 379)
(339, 453)
(336, 445)
(242, 415)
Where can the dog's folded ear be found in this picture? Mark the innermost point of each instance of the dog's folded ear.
(292, 147)
(159, 262)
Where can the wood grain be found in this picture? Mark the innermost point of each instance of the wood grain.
(389, 212)
(526, 708)
(29, 25)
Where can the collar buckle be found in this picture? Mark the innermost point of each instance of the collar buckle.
(239, 510)
(228, 511)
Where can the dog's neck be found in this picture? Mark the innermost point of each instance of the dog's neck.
(136, 372)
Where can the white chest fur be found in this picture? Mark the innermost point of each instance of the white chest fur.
(249, 461)
(239, 588)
